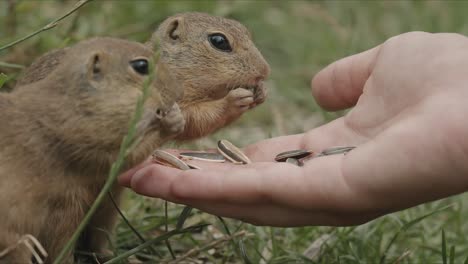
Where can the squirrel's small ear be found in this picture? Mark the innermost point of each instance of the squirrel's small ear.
(95, 66)
(175, 28)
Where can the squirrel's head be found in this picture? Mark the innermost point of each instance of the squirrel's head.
(98, 84)
(210, 55)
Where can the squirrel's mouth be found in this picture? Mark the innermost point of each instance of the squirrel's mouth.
(257, 90)
(151, 119)
(222, 90)
(252, 88)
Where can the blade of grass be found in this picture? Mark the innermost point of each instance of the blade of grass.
(166, 227)
(405, 227)
(151, 249)
(402, 257)
(197, 250)
(11, 65)
(183, 217)
(154, 241)
(117, 165)
(243, 253)
(50, 25)
(274, 246)
(238, 246)
(3, 79)
(452, 255)
(444, 248)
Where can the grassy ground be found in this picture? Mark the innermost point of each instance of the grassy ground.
(297, 38)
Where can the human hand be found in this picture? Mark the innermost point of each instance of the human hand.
(408, 124)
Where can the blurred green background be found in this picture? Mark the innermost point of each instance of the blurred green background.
(297, 38)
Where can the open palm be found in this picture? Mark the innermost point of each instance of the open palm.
(408, 125)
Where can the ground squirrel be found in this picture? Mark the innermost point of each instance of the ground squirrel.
(214, 58)
(60, 134)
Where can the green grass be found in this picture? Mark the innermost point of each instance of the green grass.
(298, 38)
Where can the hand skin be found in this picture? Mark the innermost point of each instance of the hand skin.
(409, 125)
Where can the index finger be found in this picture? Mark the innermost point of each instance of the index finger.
(341, 83)
(319, 185)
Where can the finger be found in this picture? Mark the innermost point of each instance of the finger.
(124, 178)
(340, 84)
(319, 184)
(164, 182)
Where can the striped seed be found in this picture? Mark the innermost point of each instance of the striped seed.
(295, 154)
(204, 156)
(232, 153)
(337, 150)
(167, 159)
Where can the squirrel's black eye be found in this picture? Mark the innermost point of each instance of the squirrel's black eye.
(220, 42)
(140, 66)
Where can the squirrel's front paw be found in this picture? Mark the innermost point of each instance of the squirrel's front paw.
(260, 94)
(173, 123)
(239, 100)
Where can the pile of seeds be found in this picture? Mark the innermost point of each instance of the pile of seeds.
(229, 152)
(226, 151)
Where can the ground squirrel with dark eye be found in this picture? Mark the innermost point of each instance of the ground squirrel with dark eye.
(60, 134)
(220, 67)
(216, 61)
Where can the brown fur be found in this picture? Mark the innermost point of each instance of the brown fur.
(60, 134)
(216, 84)
(210, 77)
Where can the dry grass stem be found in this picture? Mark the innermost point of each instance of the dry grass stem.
(31, 243)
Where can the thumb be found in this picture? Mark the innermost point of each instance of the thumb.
(340, 84)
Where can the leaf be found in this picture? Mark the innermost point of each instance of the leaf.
(3, 79)
(183, 217)
(452, 255)
(243, 253)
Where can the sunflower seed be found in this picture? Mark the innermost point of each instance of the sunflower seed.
(336, 150)
(296, 154)
(193, 167)
(167, 159)
(205, 156)
(232, 153)
(294, 161)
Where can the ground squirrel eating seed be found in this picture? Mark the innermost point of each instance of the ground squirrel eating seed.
(60, 134)
(216, 61)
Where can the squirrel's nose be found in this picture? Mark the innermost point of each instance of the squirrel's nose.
(264, 71)
(258, 80)
(262, 75)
